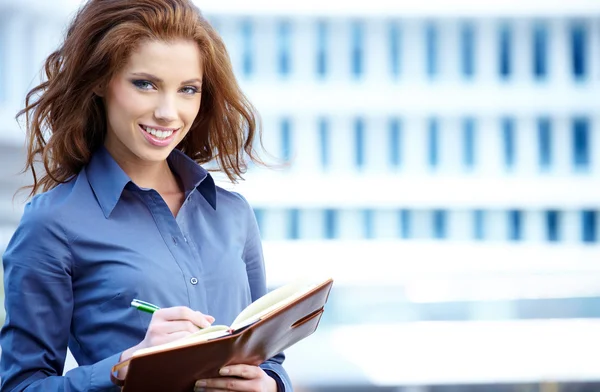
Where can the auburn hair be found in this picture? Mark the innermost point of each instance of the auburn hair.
(66, 121)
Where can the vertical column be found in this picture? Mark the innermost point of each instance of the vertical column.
(272, 136)
(594, 51)
(422, 227)
(488, 146)
(413, 51)
(460, 225)
(304, 50)
(451, 146)
(376, 50)
(449, 50)
(338, 51)
(559, 52)
(385, 224)
(526, 146)
(351, 224)
(415, 145)
(495, 225)
(17, 55)
(305, 144)
(266, 49)
(534, 226)
(522, 59)
(595, 144)
(230, 31)
(486, 51)
(311, 224)
(342, 145)
(571, 228)
(377, 148)
(561, 146)
(274, 224)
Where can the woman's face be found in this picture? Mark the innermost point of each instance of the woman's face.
(152, 102)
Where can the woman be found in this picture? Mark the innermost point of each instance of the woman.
(139, 94)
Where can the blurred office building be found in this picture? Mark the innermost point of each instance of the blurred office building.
(439, 159)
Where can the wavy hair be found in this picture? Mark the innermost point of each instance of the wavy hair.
(66, 121)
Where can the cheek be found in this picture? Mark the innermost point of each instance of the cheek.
(190, 111)
(125, 104)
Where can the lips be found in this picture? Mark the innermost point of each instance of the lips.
(158, 136)
(159, 133)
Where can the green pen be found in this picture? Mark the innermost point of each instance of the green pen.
(144, 306)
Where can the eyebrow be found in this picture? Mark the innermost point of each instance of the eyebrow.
(159, 80)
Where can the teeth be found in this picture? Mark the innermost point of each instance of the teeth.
(157, 133)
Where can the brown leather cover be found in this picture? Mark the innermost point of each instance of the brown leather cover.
(177, 370)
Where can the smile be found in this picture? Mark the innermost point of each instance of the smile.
(159, 133)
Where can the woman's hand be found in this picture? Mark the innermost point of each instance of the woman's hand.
(168, 324)
(238, 378)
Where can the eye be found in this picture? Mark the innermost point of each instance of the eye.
(190, 90)
(143, 84)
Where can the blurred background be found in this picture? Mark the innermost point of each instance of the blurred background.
(442, 166)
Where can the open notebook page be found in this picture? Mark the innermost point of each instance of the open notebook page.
(272, 301)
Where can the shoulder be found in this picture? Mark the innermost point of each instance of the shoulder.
(233, 201)
(46, 214)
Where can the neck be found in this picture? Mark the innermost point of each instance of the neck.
(147, 174)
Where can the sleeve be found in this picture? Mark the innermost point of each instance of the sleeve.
(39, 308)
(255, 267)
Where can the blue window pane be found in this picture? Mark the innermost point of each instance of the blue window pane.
(431, 50)
(322, 43)
(395, 142)
(293, 231)
(247, 48)
(540, 51)
(286, 140)
(331, 224)
(479, 224)
(359, 142)
(581, 143)
(3, 62)
(395, 39)
(440, 224)
(508, 142)
(433, 142)
(578, 51)
(324, 142)
(588, 226)
(505, 57)
(405, 223)
(284, 33)
(552, 226)
(368, 220)
(259, 214)
(469, 142)
(357, 49)
(515, 225)
(544, 143)
(467, 38)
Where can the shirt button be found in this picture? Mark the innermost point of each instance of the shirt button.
(194, 281)
(174, 240)
(185, 239)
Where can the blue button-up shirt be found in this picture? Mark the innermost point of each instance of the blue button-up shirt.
(86, 248)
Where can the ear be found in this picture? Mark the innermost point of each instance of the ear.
(99, 90)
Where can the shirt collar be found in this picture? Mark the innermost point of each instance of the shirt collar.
(108, 180)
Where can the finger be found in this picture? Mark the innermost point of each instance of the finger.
(170, 327)
(225, 384)
(185, 313)
(247, 372)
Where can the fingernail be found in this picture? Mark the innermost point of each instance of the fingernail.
(224, 372)
(200, 383)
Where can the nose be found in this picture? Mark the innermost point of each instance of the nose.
(166, 110)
